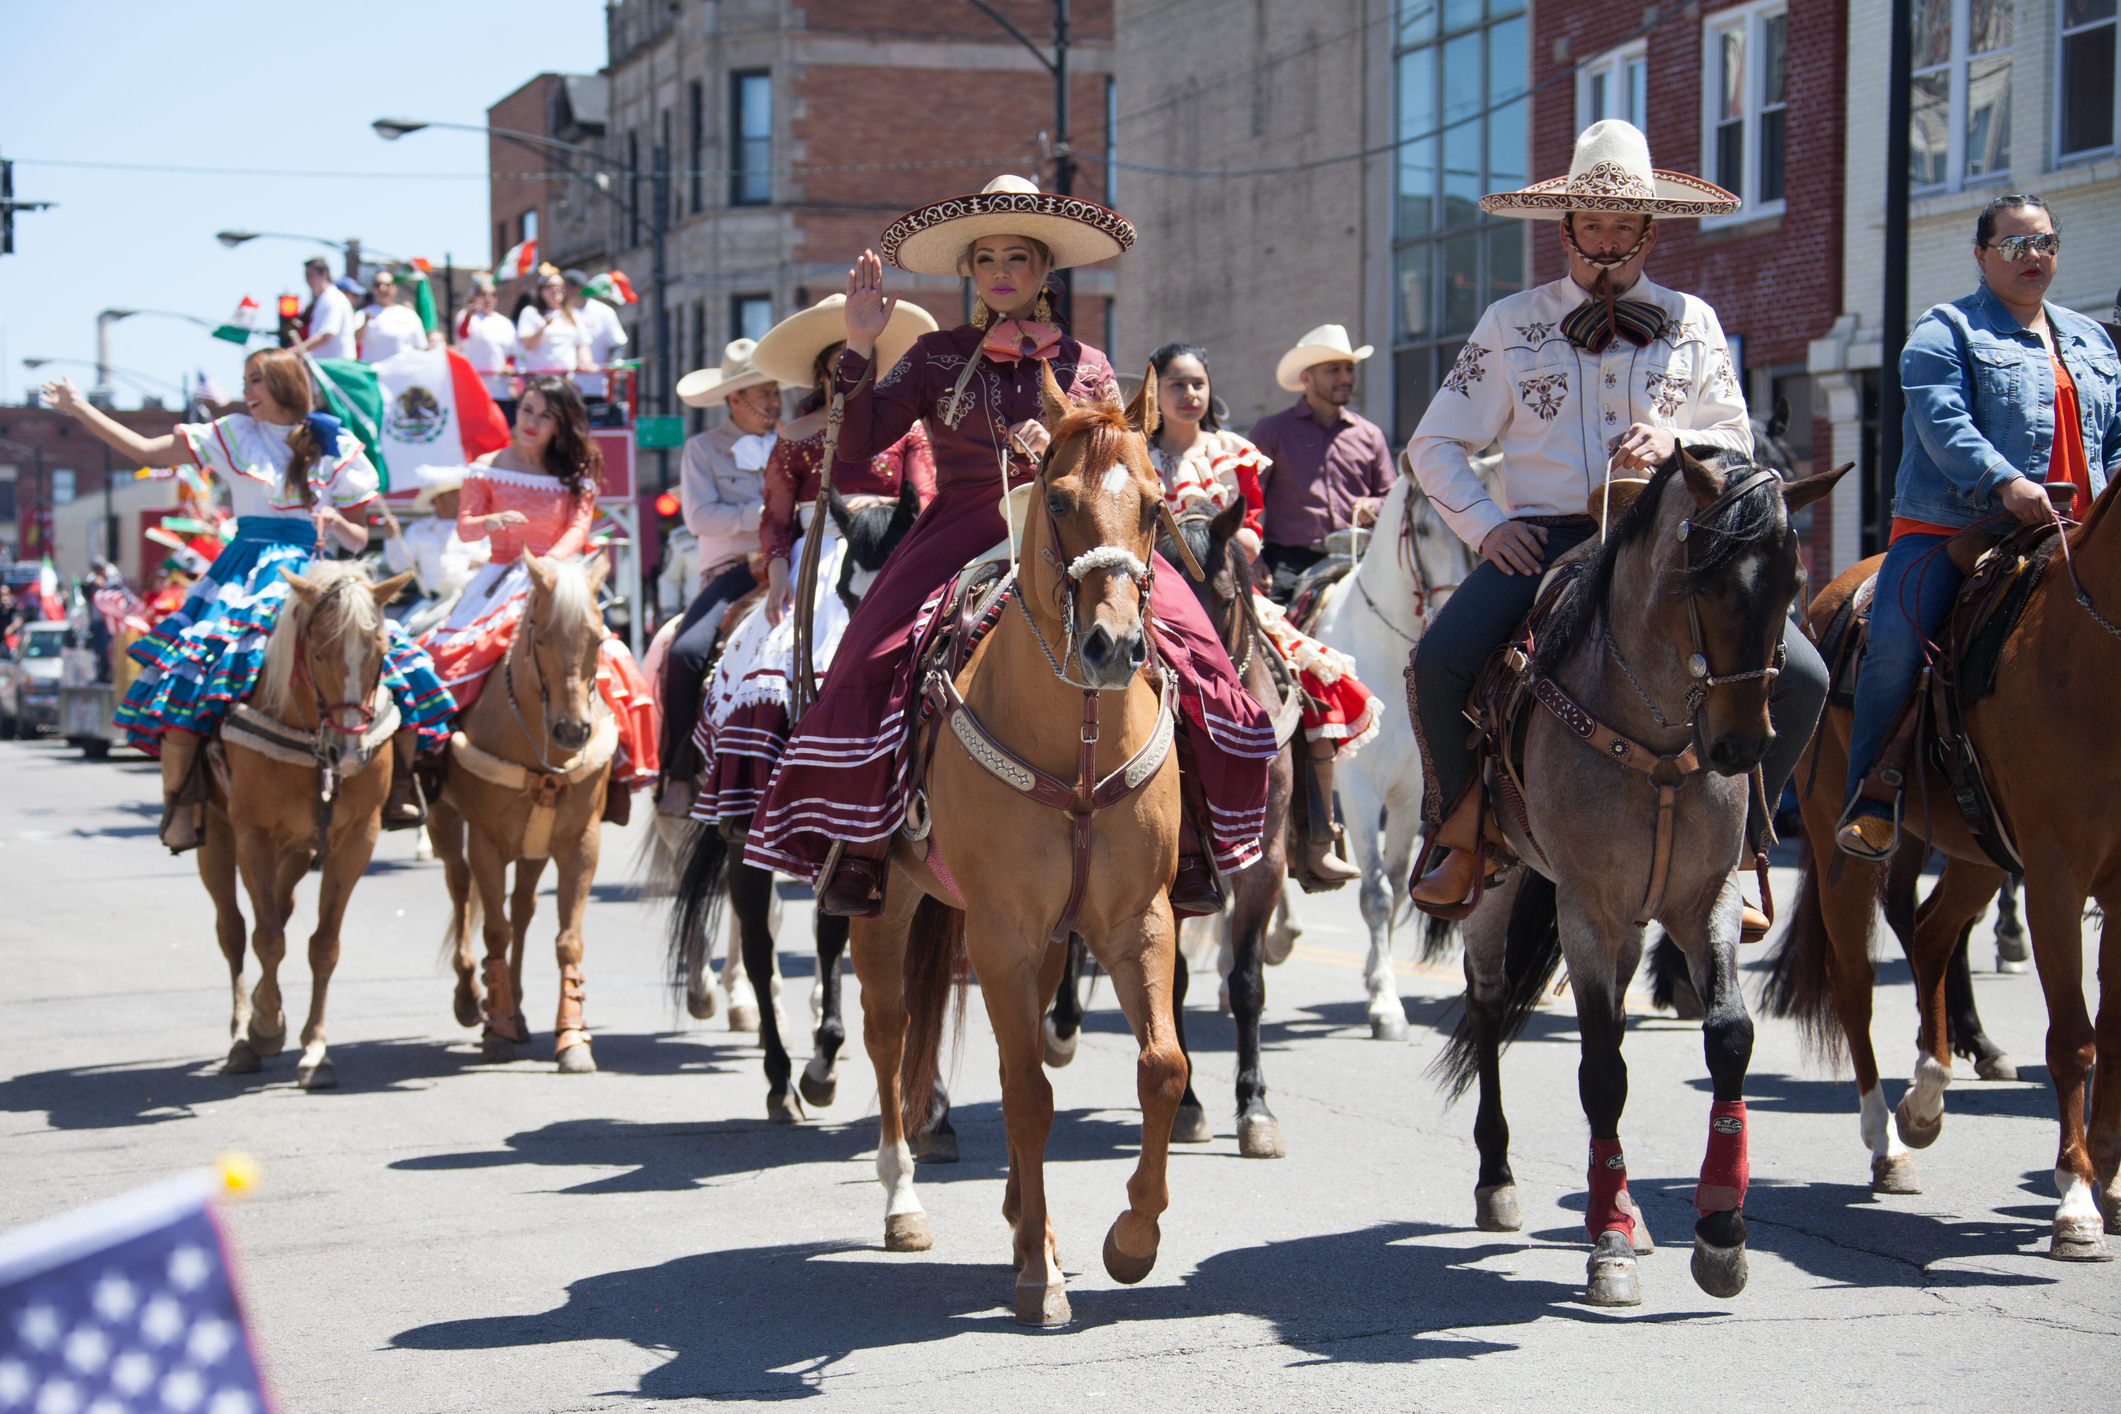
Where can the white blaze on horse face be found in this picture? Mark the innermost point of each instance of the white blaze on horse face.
(1117, 480)
(355, 647)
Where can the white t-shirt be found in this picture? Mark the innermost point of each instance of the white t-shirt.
(390, 329)
(557, 352)
(332, 313)
(605, 337)
(489, 342)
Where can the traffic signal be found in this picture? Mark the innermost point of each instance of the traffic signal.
(290, 321)
(667, 505)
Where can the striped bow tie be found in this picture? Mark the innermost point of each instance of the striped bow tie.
(1593, 325)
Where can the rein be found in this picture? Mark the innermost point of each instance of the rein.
(324, 753)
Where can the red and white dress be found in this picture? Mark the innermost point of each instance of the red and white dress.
(1222, 467)
(476, 635)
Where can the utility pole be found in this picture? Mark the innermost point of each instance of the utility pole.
(1893, 316)
(1063, 153)
(353, 259)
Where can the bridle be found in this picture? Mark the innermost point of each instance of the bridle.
(1072, 574)
(323, 749)
(526, 636)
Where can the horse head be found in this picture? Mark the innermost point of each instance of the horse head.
(332, 639)
(1224, 565)
(872, 527)
(562, 634)
(1096, 536)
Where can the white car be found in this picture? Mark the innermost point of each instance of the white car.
(29, 681)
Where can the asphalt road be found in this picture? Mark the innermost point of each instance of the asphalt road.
(438, 1234)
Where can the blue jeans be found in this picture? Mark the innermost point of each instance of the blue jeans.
(1914, 597)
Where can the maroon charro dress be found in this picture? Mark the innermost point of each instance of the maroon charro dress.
(842, 775)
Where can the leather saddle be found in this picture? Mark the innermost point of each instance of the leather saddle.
(1307, 598)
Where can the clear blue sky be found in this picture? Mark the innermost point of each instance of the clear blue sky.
(241, 84)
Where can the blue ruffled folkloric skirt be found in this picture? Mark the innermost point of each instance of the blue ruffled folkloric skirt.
(206, 656)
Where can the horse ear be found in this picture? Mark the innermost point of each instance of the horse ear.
(595, 572)
(1701, 478)
(389, 588)
(1142, 413)
(1053, 403)
(1228, 521)
(303, 589)
(539, 568)
(1799, 494)
(836, 507)
(1779, 423)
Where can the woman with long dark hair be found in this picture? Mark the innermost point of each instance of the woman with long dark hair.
(538, 493)
(294, 480)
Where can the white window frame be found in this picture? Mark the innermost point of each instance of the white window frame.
(1613, 66)
(1752, 19)
(1959, 65)
(2089, 154)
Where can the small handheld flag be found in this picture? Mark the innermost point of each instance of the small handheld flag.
(613, 287)
(522, 258)
(242, 324)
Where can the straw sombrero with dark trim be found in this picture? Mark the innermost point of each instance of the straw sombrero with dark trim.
(1611, 171)
(790, 349)
(930, 240)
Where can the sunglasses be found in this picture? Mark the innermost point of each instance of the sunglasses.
(2019, 247)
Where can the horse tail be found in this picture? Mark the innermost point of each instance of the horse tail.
(696, 913)
(1668, 968)
(935, 969)
(1799, 984)
(1531, 953)
(658, 862)
(1436, 937)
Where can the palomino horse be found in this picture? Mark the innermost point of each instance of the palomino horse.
(528, 769)
(1683, 605)
(1375, 616)
(2046, 775)
(872, 528)
(303, 771)
(1004, 877)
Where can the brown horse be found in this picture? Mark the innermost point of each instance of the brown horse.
(302, 771)
(1026, 876)
(2048, 767)
(528, 768)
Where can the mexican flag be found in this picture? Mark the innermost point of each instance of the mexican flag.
(242, 324)
(417, 413)
(522, 258)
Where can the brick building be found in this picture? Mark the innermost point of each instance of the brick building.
(533, 193)
(53, 475)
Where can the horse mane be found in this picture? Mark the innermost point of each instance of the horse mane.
(1739, 528)
(570, 591)
(1103, 424)
(334, 614)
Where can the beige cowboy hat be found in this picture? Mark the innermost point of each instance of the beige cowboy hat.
(706, 387)
(790, 349)
(931, 239)
(1328, 343)
(424, 502)
(1609, 500)
(1611, 171)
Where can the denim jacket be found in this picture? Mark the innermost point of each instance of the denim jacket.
(1980, 400)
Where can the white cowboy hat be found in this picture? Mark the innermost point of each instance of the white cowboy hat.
(790, 349)
(1611, 171)
(1328, 343)
(932, 239)
(707, 386)
(424, 502)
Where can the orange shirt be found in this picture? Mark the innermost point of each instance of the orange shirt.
(2065, 458)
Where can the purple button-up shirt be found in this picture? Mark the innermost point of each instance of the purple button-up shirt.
(1321, 475)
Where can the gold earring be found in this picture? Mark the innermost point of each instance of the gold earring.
(1044, 313)
(981, 315)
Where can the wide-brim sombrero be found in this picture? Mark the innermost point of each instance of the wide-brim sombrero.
(705, 387)
(1611, 171)
(790, 349)
(932, 239)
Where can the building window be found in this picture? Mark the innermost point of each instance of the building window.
(1459, 82)
(633, 187)
(751, 150)
(1745, 67)
(2088, 113)
(696, 122)
(62, 485)
(750, 316)
(1111, 144)
(500, 241)
(530, 226)
(1959, 131)
(1615, 85)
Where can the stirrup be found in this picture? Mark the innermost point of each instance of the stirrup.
(855, 889)
(1846, 832)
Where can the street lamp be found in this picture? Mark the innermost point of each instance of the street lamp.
(351, 246)
(101, 393)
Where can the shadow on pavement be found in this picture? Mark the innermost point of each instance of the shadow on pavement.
(2029, 1097)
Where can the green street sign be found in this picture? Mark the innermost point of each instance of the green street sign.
(654, 432)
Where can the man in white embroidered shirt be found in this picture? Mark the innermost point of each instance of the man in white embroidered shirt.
(1602, 370)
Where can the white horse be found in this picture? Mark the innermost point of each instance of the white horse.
(1375, 615)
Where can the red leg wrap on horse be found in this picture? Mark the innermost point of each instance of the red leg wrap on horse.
(1610, 1207)
(1723, 1173)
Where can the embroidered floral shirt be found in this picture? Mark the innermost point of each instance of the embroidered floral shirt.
(1557, 410)
(792, 482)
(557, 524)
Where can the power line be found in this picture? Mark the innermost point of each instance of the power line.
(616, 173)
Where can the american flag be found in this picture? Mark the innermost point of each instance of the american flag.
(125, 1307)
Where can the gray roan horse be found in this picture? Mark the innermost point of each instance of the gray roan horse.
(1660, 662)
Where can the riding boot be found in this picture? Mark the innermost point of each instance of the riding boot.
(618, 803)
(856, 888)
(403, 808)
(183, 811)
(1195, 892)
(1451, 882)
(1322, 869)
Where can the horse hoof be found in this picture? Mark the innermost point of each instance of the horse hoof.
(1059, 1049)
(1913, 1133)
(1042, 1305)
(1389, 1025)
(320, 1076)
(1259, 1137)
(1894, 1173)
(2012, 966)
(702, 1006)
(1190, 1126)
(576, 1059)
(819, 1088)
(1686, 1002)
(522, 1025)
(496, 1049)
(242, 1060)
(1719, 1271)
(1495, 1208)
(267, 1045)
(2079, 1240)
(1123, 1267)
(935, 1148)
(782, 1109)
(907, 1232)
(467, 1007)
(1996, 1067)
(743, 1017)
(1645, 1245)
(1612, 1272)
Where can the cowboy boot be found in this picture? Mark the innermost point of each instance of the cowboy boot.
(1195, 891)
(182, 826)
(618, 804)
(856, 888)
(1323, 869)
(1451, 882)
(403, 809)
